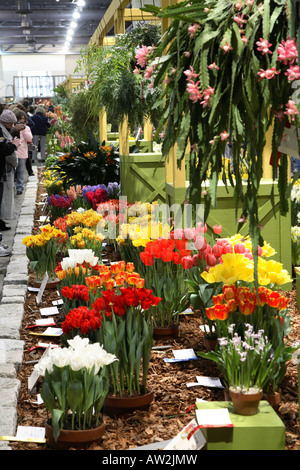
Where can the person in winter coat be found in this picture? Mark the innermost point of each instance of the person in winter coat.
(9, 142)
(22, 151)
(40, 132)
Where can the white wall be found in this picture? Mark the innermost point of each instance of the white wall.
(47, 64)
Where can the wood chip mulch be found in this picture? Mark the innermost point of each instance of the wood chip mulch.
(173, 404)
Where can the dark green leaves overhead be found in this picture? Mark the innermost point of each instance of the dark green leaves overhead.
(226, 57)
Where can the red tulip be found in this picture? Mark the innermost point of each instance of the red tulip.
(187, 262)
(217, 229)
(211, 260)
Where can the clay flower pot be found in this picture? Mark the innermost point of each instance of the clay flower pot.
(274, 399)
(51, 284)
(160, 332)
(210, 343)
(245, 404)
(118, 405)
(81, 438)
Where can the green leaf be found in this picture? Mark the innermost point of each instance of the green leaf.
(75, 394)
(56, 417)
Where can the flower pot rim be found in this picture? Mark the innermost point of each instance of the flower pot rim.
(74, 438)
(246, 392)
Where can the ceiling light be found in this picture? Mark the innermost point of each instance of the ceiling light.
(73, 25)
(69, 38)
(70, 32)
(80, 3)
(76, 14)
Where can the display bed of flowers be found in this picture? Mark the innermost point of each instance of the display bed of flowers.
(111, 310)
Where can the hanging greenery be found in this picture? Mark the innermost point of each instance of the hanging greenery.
(229, 68)
(84, 120)
(114, 83)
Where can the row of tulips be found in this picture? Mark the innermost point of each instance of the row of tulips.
(116, 306)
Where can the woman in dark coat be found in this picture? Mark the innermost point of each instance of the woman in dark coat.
(40, 132)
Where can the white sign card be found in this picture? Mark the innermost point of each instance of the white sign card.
(182, 355)
(30, 432)
(213, 418)
(183, 442)
(41, 289)
(49, 311)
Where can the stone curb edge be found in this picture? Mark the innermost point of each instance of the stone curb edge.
(14, 292)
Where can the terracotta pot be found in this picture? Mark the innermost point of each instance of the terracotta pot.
(210, 344)
(52, 284)
(116, 405)
(79, 439)
(274, 399)
(245, 404)
(160, 332)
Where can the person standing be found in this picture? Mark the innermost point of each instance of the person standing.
(40, 132)
(9, 142)
(22, 151)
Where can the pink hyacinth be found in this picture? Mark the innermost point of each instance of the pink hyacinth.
(293, 73)
(287, 51)
(192, 29)
(142, 55)
(269, 73)
(194, 91)
(291, 109)
(263, 46)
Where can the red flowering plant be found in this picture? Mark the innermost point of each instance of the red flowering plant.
(75, 296)
(238, 308)
(165, 261)
(58, 205)
(126, 329)
(81, 321)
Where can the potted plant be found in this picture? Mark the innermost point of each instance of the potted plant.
(245, 363)
(88, 163)
(115, 81)
(74, 388)
(126, 331)
(164, 261)
(41, 250)
(58, 206)
(253, 43)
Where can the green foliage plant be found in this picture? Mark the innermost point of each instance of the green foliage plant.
(222, 86)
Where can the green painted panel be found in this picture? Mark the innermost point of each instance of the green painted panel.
(276, 231)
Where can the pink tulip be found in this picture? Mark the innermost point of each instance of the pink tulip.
(239, 248)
